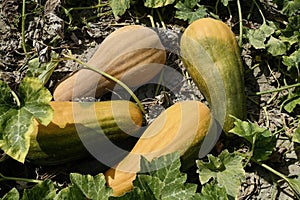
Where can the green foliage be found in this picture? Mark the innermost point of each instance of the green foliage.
(13, 194)
(213, 191)
(190, 10)
(17, 115)
(42, 70)
(119, 7)
(91, 187)
(258, 37)
(158, 3)
(44, 190)
(296, 135)
(226, 169)
(261, 139)
(162, 181)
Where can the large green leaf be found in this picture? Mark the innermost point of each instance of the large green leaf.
(226, 169)
(15, 140)
(276, 47)
(44, 190)
(292, 60)
(259, 137)
(92, 187)
(258, 37)
(158, 3)
(13, 194)
(296, 135)
(43, 71)
(17, 115)
(119, 7)
(36, 99)
(190, 10)
(70, 193)
(213, 191)
(162, 179)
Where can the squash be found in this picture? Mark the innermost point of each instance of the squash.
(61, 140)
(132, 54)
(211, 56)
(182, 127)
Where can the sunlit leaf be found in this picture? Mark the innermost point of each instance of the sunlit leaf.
(119, 7)
(165, 182)
(36, 99)
(276, 47)
(44, 190)
(213, 191)
(190, 10)
(258, 37)
(91, 187)
(13, 194)
(158, 3)
(295, 185)
(296, 135)
(43, 71)
(70, 193)
(226, 169)
(261, 138)
(17, 115)
(292, 60)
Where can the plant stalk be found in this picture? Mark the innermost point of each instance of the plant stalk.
(23, 27)
(240, 23)
(5, 178)
(111, 78)
(278, 89)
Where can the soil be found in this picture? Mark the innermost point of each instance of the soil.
(47, 30)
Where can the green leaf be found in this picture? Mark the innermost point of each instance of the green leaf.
(226, 169)
(212, 191)
(43, 71)
(44, 190)
(17, 121)
(258, 37)
(157, 3)
(190, 11)
(247, 130)
(163, 180)
(264, 146)
(70, 193)
(292, 60)
(261, 138)
(91, 187)
(13, 194)
(36, 99)
(15, 139)
(296, 135)
(291, 105)
(295, 185)
(119, 7)
(291, 7)
(225, 2)
(275, 46)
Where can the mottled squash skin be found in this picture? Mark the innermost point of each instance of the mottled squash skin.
(211, 55)
(61, 140)
(133, 54)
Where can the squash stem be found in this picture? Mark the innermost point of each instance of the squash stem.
(111, 78)
(261, 13)
(240, 23)
(23, 26)
(278, 89)
(5, 178)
